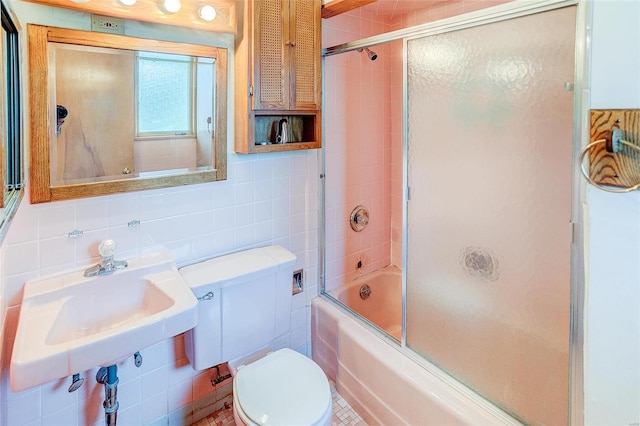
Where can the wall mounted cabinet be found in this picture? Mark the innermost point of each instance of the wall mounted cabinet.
(278, 75)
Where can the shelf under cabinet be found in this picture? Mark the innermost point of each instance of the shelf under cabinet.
(302, 131)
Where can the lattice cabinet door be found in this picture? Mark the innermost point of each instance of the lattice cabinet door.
(287, 55)
(271, 70)
(305, 59)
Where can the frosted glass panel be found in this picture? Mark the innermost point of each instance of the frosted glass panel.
(490, 170)
(164, 94)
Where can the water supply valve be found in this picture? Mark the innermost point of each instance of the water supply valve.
(76, 382)
(137, 359)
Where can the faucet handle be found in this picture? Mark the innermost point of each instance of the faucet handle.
(107, 248)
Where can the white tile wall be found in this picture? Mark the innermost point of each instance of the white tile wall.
(267, 199)
(612, 322)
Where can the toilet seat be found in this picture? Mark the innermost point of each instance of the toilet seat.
(283, 388)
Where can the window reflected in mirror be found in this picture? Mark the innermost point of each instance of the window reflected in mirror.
(162, 81)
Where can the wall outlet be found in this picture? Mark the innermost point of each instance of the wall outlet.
(107, 24)
(297, 285)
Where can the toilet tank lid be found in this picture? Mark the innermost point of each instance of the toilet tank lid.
(224, 269)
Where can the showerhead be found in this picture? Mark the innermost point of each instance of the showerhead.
(371, 54)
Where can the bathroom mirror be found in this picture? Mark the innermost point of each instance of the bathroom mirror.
(112, 113)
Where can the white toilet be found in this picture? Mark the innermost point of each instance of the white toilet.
(244, 305)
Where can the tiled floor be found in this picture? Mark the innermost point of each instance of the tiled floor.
(343, 414)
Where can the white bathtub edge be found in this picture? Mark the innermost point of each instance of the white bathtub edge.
(414, 390)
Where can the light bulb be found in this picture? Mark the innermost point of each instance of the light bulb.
(128, 2)
(208, 13)
(171, 6)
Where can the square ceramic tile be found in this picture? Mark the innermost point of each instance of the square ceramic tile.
(57, 219)
(21, 258)
(92, 214)
(343, 414)
(153, 408)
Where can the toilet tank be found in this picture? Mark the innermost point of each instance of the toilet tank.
(251, 304)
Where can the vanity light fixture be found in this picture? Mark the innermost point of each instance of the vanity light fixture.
(208, 13)
(171, 6)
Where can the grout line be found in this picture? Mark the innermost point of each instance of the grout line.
(343, 414)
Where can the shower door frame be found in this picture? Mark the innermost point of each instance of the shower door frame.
(490, 15)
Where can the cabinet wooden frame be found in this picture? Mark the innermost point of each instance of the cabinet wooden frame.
(288, 53)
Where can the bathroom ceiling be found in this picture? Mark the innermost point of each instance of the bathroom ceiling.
(391, 8)
(386, 8)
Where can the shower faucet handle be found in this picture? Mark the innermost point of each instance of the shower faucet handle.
(359, 218)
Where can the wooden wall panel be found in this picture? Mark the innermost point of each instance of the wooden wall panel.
(337, 7)
(620, 169)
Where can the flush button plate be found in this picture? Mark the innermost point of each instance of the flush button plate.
(298, 283)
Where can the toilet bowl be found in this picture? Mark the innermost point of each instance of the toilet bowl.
(281, 388)
(244, 306)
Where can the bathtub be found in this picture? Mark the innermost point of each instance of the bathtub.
(383, 306)
(385, 384)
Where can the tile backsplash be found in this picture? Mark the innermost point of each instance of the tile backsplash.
(267, 199)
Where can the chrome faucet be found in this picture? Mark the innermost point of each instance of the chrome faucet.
(107, 264)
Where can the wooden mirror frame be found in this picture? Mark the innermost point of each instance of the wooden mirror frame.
(41, 189)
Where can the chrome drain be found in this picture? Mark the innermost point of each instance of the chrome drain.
(365, 291)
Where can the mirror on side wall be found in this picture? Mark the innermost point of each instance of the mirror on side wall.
(10, 121)
(111, 113)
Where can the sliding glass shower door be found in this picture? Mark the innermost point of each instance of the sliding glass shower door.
(490, 112)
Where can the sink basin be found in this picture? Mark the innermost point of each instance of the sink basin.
(70, 323)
